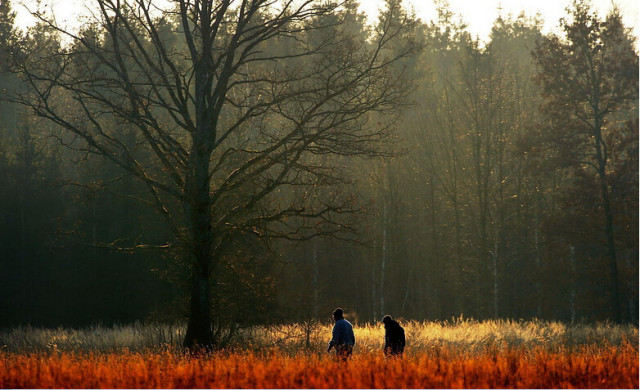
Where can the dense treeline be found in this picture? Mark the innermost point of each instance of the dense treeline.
(496, 208)
(506, 187)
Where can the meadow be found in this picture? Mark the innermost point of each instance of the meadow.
(455, 354)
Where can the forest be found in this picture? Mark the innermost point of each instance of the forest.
(226, 164)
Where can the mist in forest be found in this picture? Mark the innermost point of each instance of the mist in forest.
(230, 163)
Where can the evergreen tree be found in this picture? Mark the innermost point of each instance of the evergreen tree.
(590, 81)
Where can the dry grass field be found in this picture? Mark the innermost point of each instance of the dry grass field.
(461, 354)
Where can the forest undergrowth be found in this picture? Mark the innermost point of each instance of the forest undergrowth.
(456, 354)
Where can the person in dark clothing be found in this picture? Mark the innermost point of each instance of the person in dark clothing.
(342, 338)
(394, 340)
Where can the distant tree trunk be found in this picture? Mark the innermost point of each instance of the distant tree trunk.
(316, 273)
(374, 298)
(574, 282)
(536, 244)
(437, 289)
(457, 272)
(406, 293)
(494, 266)
(482, 225)
(630, 258)
(383, 261)
(411, 269)
(608, 214)
(501, 216)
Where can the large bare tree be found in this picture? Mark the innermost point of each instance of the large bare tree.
(234, 101)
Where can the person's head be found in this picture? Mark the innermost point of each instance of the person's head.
(386, 320)
(338, 314)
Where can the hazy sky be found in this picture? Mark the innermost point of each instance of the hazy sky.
(478, 14)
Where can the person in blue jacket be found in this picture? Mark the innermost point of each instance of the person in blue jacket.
(343, 338)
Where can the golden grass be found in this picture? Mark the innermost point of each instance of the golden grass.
(464, 334)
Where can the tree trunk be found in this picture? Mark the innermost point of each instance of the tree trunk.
(537, 250)
(494, 272)
(384, 256)
(316, 274)
(574, 282)
(373, 287)
(457, 294)
(436, 288)
(613, 266)
(608, 214)
(457, 269)
(200, 328)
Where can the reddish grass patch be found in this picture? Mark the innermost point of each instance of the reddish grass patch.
(586, 367)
